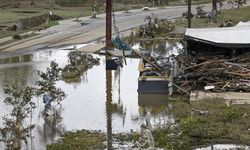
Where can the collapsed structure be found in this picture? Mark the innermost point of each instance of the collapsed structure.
(216, 60)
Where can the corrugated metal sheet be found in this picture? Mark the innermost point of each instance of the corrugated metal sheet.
(238, 36)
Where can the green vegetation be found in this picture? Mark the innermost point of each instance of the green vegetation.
(79, 140)
(236, 15)
(239, 14)
(199, 123)
(9, 16)
(212, 121)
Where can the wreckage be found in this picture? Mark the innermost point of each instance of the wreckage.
(216, 60)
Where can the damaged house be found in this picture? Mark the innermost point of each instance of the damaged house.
(217, 63)
(231, 41)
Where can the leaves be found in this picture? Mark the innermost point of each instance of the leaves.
(48, 81)
(19, 98)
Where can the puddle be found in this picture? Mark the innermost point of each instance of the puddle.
(100, 100)
(224, 147)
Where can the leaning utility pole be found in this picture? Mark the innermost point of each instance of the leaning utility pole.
(108, 24)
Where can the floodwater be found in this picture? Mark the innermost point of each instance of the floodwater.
(100, 100)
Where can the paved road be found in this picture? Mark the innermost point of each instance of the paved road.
(70, 32)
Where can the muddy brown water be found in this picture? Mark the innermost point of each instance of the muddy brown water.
(100, 100)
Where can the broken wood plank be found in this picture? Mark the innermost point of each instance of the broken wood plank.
(148, 61)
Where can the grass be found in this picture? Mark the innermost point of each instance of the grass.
(239, 14)
(73, 12)
(236, 15)
(79, 140)
(219, 124)
(199, 123)
(9, 16)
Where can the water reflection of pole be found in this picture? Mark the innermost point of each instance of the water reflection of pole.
(108, 107)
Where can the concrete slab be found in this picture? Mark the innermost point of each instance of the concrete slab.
(92, 48)
(119, 53)
(231, 97)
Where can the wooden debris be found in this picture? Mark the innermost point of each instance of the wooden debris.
(225, 74)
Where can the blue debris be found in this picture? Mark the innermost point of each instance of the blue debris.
(47, 99)
(120, 45)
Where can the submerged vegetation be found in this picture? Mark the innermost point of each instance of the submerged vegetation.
(80, 140)
(15, 131)
(197, 124)
(15, 128)
(79, 62)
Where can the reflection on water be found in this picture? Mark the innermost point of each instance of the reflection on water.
(16, 59)
(225, 147)
(154, 109)
(96, 102)
(162, 48)
(109, 107)
(154, 100)
(52, 126)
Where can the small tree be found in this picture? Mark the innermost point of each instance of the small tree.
(48, 81)
(14, 130)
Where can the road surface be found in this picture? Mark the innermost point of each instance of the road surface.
(69, 32)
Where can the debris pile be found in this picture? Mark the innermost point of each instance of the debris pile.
(78, 62)
(217, 75)
(155, 27)
(200, 12)
(227, 23)
(154, 66)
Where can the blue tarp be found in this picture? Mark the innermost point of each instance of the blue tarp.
(120, 45)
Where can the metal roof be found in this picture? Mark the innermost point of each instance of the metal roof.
(243, 24)
(238, 36)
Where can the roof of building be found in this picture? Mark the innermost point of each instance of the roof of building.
(243, 24)
(238, 36)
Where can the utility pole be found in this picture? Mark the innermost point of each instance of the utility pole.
(108, 24)
(214, 5)
(189, 14)
(109, 108)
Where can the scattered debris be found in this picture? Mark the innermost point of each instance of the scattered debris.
(155, 27)
(54, 17)
(200, 12)
(227, 23)
(214, 74)
(17, 37)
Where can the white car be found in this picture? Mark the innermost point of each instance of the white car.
(145, 8)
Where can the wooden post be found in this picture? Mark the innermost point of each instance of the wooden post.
(189, 14)
(214, 5)
(108, 24)
(109, 108)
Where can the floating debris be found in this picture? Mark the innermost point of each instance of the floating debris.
(78, 63)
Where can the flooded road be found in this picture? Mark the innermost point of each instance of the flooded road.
(100, 100)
